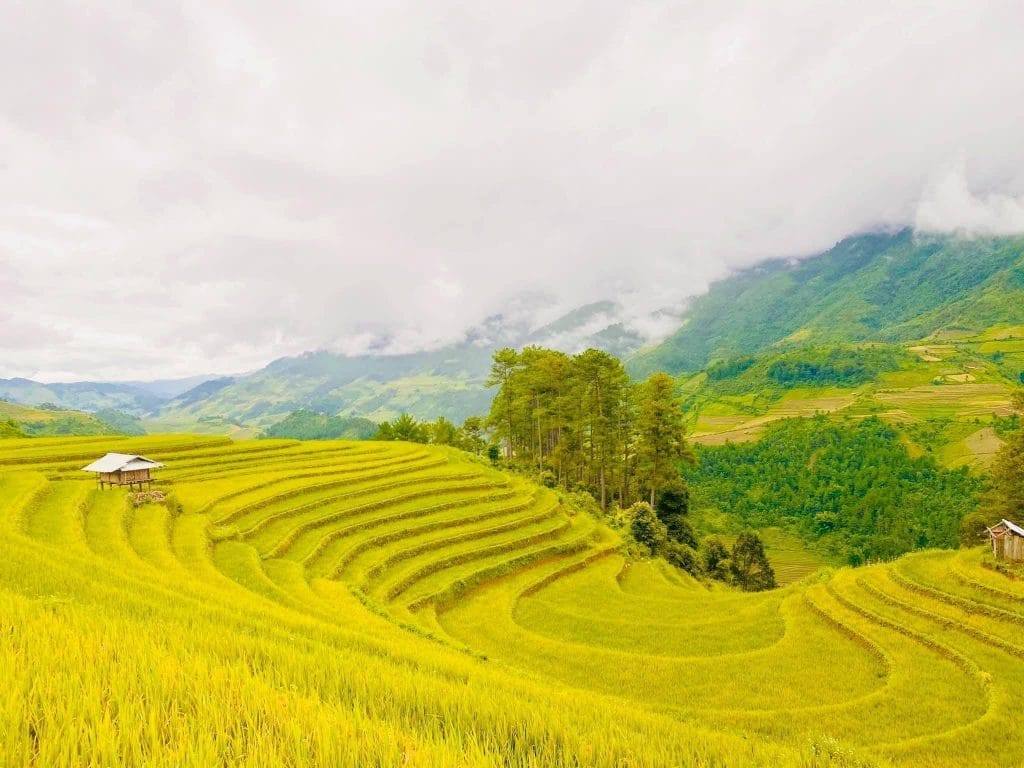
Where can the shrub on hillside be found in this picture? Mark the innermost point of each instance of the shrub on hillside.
(682, 557)
(749, 566)
(727, 369)
(714, 559)
(646, 529)
(672, 507)
(838, 366)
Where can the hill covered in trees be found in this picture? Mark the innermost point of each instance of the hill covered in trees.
(306, 425)
(879, 287)
(851, 483)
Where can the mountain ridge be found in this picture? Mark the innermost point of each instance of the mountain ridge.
(894, 287)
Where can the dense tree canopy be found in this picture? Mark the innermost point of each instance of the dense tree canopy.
(307, 425)
(582, 420)
(1006, 498)
(749, 565)
(853, 483)
(468, 437)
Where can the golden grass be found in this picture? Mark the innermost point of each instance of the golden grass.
(385, 604)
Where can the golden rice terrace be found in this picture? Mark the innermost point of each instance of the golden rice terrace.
(364, 604)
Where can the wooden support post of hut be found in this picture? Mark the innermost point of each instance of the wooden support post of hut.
(120, 469)
(1007, 541)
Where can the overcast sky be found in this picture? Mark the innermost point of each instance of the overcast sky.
(186, 189)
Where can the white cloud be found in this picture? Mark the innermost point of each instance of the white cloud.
(949, 206)
(246, 182)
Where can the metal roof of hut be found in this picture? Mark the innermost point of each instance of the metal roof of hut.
(121, 462)
(1007, 527)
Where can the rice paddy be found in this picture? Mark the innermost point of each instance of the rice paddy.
(378, 604)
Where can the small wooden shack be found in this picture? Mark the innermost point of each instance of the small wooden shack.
(1007, 541)
(123, 469)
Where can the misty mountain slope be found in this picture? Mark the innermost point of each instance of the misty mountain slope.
(449, 382)
(897, 287)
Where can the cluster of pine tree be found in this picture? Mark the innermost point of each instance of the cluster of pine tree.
(579, 422)
(469, 437)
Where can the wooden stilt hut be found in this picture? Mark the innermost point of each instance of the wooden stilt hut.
(123, 469)
(1007, 541)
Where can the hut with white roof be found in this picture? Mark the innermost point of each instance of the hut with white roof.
(123, 469)
(1007, 541)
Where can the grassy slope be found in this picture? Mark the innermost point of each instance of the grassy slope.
(45, 422)
(328, 603)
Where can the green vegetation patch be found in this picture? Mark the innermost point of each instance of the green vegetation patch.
(307, 425)
(852, 483)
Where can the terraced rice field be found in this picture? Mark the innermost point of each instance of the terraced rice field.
(368, 604)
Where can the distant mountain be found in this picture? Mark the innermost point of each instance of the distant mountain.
(878, 287)
(449, 382)
(167, 389)
(131, 398)
(82, 395)
(445, 382)
(598, 325)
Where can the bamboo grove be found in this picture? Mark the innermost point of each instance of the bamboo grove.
(582, 424)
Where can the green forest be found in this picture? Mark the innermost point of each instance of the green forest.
(308, 425)
(850, 483)
(772, 373)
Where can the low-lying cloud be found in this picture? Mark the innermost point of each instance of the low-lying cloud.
(949, 206)
(187, 188)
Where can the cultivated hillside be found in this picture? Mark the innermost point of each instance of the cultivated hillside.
(947, 396)
(390, 604)
(893, 288)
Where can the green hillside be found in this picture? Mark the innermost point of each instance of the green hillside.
(893, 288)
(851, 486)
(946, 398)
(446, 383)
(354, 604)
(21, 420)
(306, 425)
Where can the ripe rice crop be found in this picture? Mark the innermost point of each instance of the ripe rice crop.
(365, 604)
